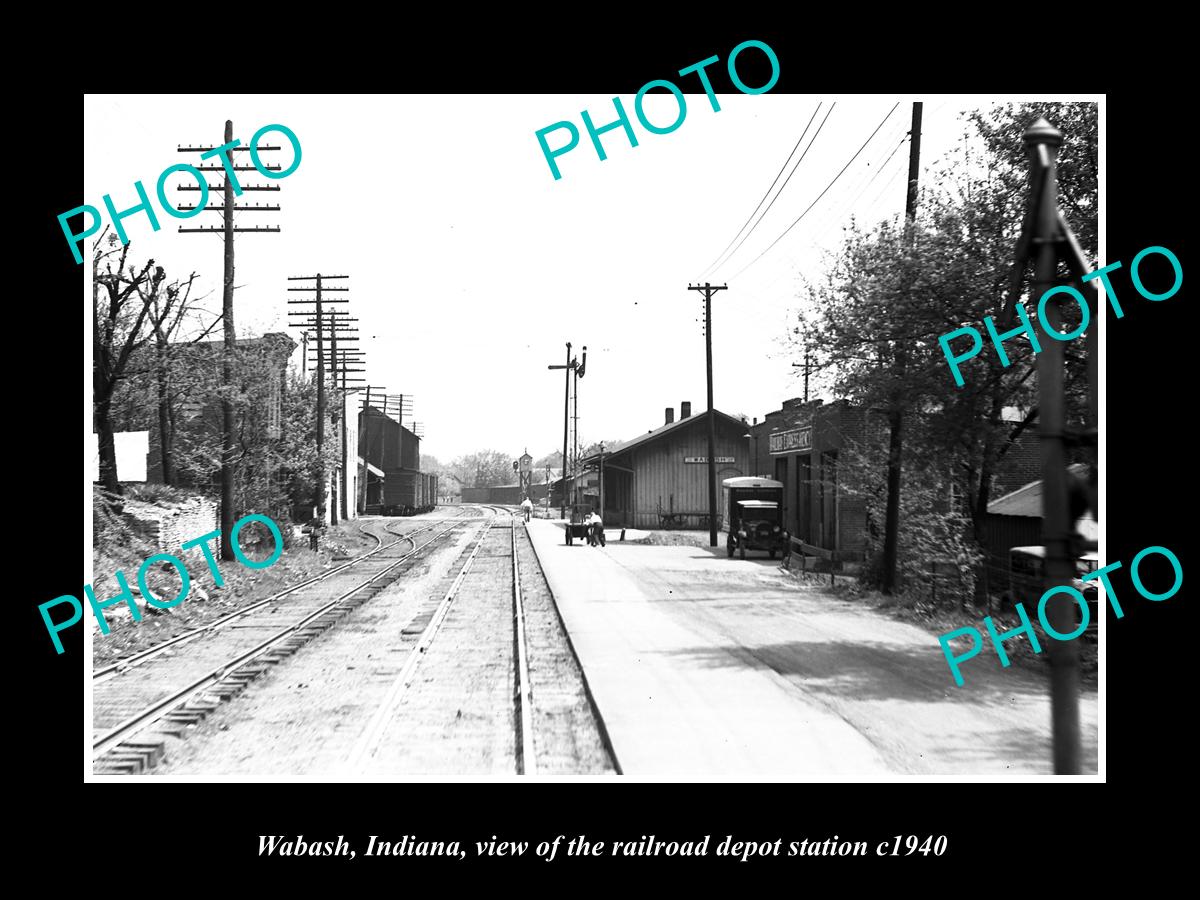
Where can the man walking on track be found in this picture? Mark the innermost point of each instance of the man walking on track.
(527, 508)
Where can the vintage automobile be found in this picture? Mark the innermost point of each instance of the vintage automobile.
(753, 518)
(1025, 565)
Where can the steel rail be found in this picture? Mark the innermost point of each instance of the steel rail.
(527, 764)
(129, 662)
(368, 742)
(160, 708)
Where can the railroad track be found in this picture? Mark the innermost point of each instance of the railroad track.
(383, 733)
(163, 690)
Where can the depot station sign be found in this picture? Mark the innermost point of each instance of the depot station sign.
(792, 440)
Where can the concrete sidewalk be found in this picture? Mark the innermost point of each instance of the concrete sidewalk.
(676, 702)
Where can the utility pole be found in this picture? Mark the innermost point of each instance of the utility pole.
(227, 208)
(807, 368)
(708, 290)
(364, 442)
(601, 479)
(341, 360)
(336, 325)
(569, 367)
(318, 312)
(340, 363)
(891, 537)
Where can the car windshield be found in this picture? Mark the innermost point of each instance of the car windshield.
(760, 514)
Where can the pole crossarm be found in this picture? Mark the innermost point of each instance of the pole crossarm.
(217, 229)
(212, 188)
(189, 149)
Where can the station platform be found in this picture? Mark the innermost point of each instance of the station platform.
(679, 698)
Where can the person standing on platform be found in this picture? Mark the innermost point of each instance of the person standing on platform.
(595, 529)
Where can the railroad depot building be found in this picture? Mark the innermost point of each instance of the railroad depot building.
(799, 445)
(660, 479)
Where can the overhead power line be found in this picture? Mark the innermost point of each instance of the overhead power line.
(800, 140)
(823, 192)
(816, 135)
(859, 190)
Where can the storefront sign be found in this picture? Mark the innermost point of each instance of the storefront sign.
(704, 459)
(791, 441)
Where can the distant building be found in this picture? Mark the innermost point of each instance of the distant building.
(1015, 520)
(660, 479)
(511, 494)
(389, 448)
(195, 420)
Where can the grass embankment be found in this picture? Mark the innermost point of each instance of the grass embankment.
(117, 547)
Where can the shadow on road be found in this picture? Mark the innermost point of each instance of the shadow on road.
(870, 670)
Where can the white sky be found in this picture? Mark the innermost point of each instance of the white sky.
(471, 266)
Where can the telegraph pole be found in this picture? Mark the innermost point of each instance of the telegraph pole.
(891, 538)
(227, 230)
(318, 302)
(708, 290)
(364, 441)
(807, 368)
(341, 360)
(336, 325)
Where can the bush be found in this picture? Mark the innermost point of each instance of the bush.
(930, 528)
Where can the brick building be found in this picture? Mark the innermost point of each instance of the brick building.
(193, 411)
(799, 445)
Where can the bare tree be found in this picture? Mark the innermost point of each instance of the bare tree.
(119, 312)
(170, 306)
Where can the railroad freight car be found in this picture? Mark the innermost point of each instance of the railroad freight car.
(429, 491)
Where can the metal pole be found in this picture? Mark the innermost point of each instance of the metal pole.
(1057, 525)
(566, 423)
(575, 437)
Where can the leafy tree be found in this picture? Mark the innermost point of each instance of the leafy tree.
(553, 460)
(484, 468)
(887, 296)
